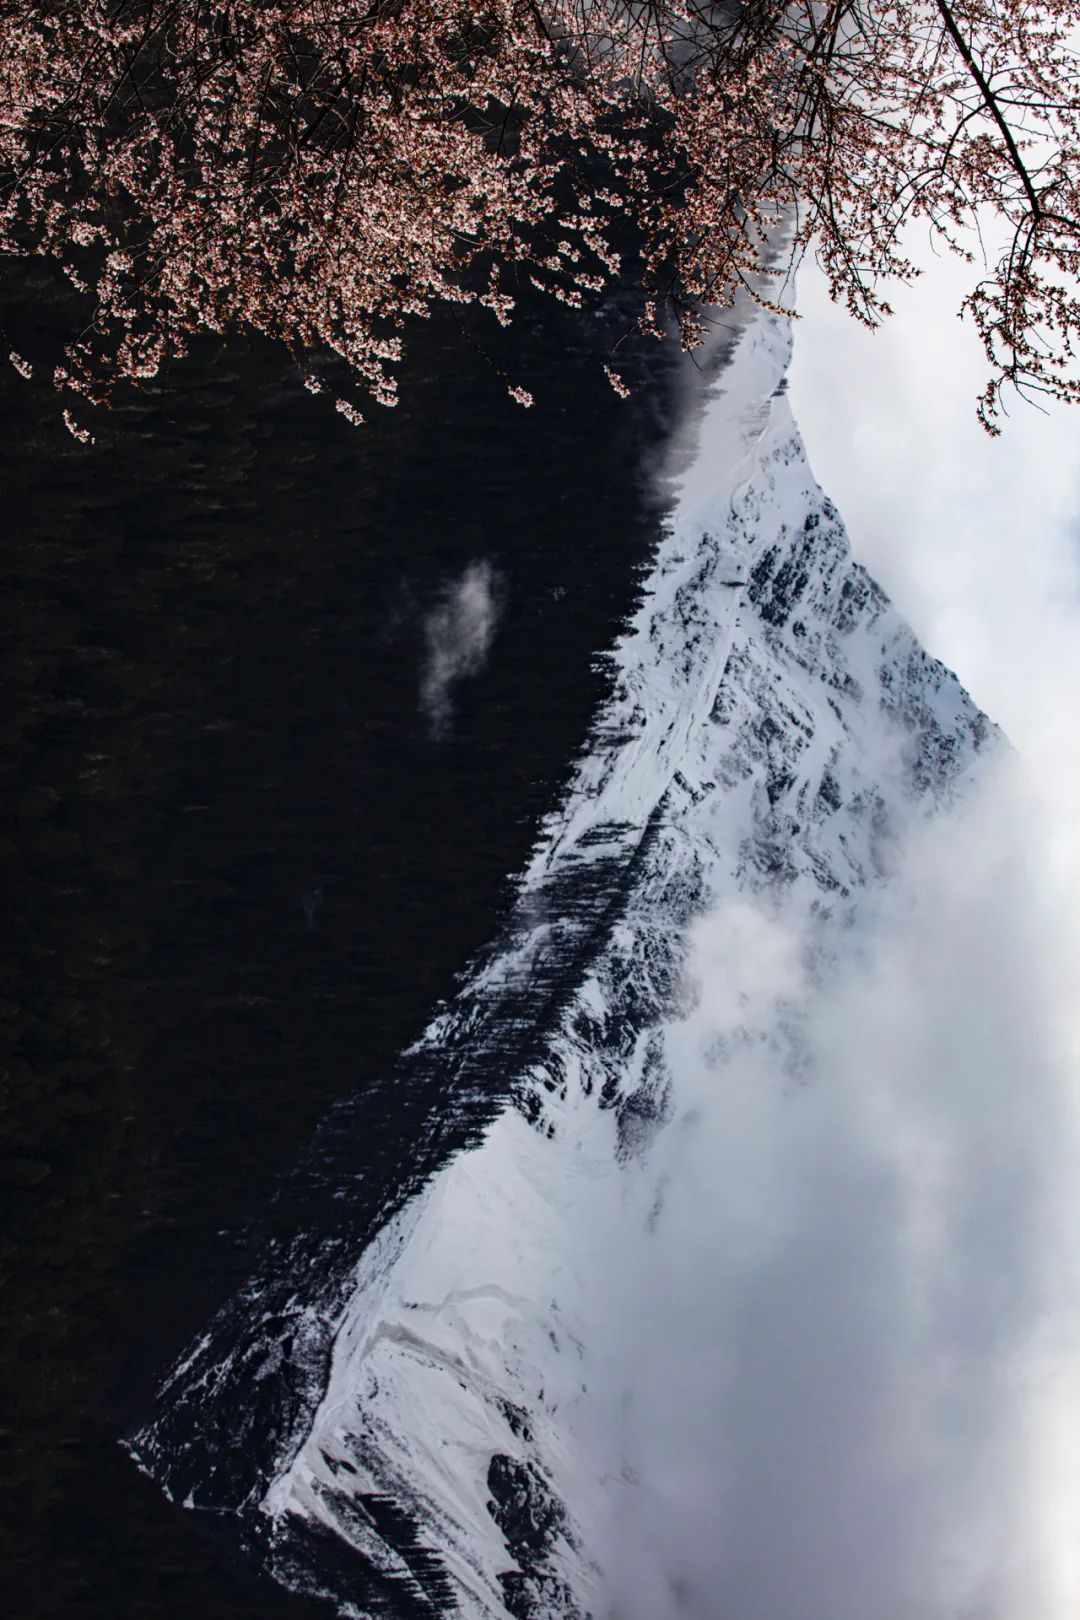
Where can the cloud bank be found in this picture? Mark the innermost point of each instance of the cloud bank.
(458, 635)
(843, 1367)
(841, 1364)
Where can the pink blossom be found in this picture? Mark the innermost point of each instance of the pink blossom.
(267, 169)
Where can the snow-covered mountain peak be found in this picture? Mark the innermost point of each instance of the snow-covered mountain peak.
(774, 736)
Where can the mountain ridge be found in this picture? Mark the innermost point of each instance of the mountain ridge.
(775, 735)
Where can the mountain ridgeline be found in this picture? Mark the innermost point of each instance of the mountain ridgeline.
(404, 1412)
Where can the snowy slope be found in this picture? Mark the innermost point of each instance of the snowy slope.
(774, 735)
(775, 729)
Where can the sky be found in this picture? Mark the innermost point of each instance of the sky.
(845, 1368)
(976, 540)
(969, 1000)
(847, 1363)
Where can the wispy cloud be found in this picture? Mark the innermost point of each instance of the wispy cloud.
(458, 634)
(977, 540)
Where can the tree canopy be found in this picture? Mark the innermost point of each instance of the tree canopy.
(323, 171)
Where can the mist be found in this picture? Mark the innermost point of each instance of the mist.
(457, 633)
(831, 1371)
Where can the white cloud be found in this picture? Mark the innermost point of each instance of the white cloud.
(843, 1371)
(977, 540)
(458, 634)
(833, 1366)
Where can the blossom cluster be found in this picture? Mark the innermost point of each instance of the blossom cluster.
(325, 171)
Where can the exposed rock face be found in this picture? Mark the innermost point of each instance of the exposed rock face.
(775, 733)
